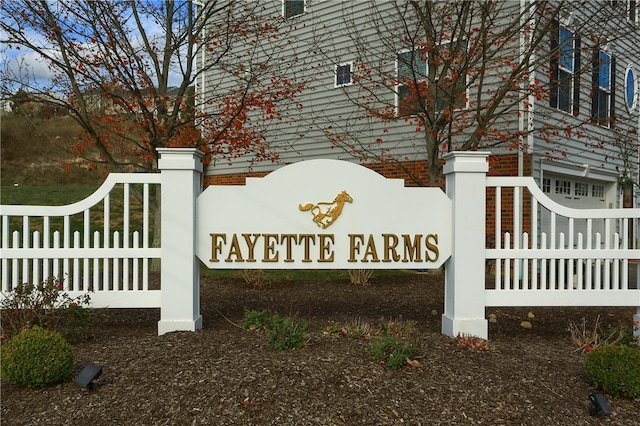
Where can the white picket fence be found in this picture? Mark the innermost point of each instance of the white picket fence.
(110, 262)
(587, 266)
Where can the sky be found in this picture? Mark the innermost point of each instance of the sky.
(21, 62)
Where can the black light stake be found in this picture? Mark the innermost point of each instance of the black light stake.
(88, 374)
(599, 405)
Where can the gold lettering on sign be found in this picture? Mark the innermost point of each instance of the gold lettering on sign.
(326, 254)
(305, 239)
(270, 253)
(251, 244)
(390, 244)
(432, 246)
(216, 245)
(288, 240)
(412, 248)
(319, 248)
(324, 212)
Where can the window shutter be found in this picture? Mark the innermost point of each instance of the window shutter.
(553, 66)
(613, 92)
(576, 77)
(595, 79)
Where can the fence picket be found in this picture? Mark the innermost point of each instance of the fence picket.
(56, 260)
(136, 262)
(579, 282)
(507, 263)
(46, 243)
(75, 272)
(36, 263)
(543, 264)
(560, 283)
(6, 285)
(96, 264)
(26, 232)
(615, 280)
(525, 263)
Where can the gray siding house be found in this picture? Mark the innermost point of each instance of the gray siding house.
(551, 89)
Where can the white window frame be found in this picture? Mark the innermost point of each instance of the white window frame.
(564, 69)
(633, 12)
(598, 191)
(606, 122)
(335, 72)
(581, 189)
(631, 102)
(284, 9)
(426, 73)
(397, 72)
(562, 187)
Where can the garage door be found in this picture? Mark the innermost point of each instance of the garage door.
(574, 193)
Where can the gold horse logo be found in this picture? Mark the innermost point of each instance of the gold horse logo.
(324, 212)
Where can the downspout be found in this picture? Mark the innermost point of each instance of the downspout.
(202, 75)
(525, 119)
(521, 106)
(525, 110)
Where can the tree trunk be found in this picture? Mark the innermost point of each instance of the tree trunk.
(156, 214)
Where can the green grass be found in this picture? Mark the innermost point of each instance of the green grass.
(58, 195)
(54, 195)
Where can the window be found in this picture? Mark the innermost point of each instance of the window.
(412, 73)
(292, 8)
(581, 189)
(563, 187)
(343, 74)
(413, 77)
(630, 88)
(632, 12)
(602, 112)
(546, 185)
(597, 191)
(565, 66)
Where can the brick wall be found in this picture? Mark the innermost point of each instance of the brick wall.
(507, 165)
(232, 179)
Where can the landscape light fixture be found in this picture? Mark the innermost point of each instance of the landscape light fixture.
(88, 374)
(599, 405)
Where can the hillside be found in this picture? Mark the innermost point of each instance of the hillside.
(35, 152)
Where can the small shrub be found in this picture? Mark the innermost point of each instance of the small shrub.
(36, 357)
(360, 276)
(615, 369)
(255, 320)
(473, 342)
(391, 351)
(358, 329)
(45, 305)
(621, 334)
(335, 328)
(588, 338)
(401, 327)
(254, 277)
(354, 329)
(285, 333)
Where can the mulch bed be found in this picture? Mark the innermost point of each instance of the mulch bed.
(223, 375)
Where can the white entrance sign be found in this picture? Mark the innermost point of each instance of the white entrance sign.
(329, 214)
(323, 214)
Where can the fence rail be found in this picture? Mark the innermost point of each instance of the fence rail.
(101, 244)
